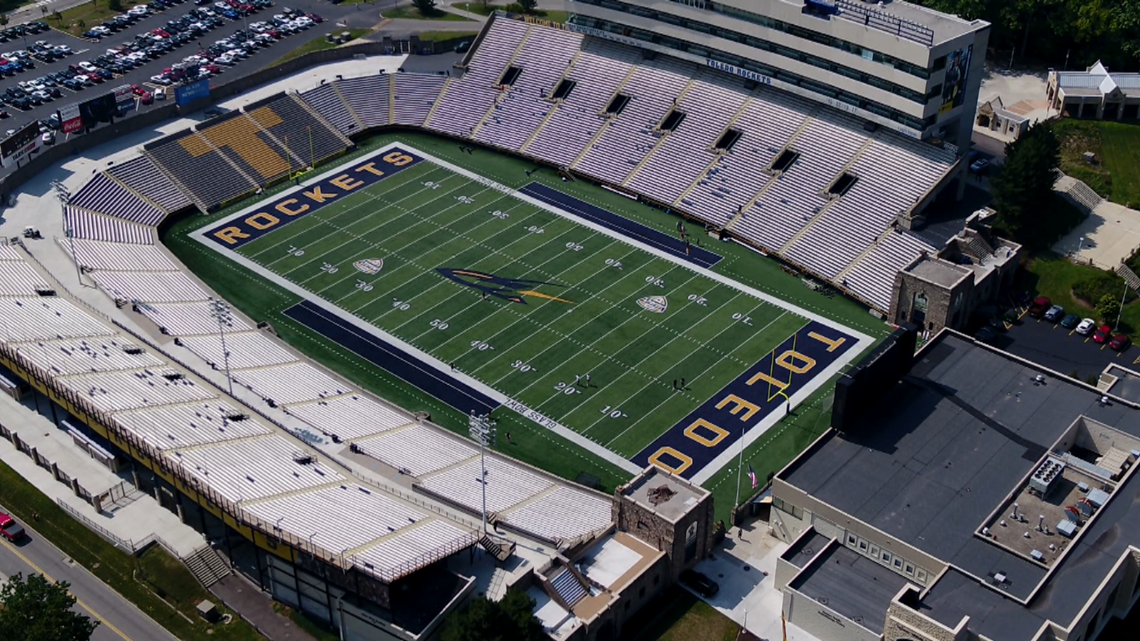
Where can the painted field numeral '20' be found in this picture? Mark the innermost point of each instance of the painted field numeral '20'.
(708, 434)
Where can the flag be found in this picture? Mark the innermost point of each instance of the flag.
(752, 476)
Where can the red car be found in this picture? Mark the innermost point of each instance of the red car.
(1120, 342)
(1040, 305)
(1103, 334)
(315, 18)
(137, 90)
(146, 97)
(10, 529)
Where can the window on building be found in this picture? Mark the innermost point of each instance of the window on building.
(862, 545)
(851, 540)
(886, 556)
(898, 563)
(909, 570)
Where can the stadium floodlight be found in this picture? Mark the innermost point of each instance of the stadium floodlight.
(221, 312)
(64, 197)
(481, 427)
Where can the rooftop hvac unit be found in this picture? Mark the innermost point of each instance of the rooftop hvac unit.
(1046, 475)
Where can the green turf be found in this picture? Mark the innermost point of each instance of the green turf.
(263, 300)
(430, 217)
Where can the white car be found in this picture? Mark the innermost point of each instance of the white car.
(1086, 327)
(83, 79)
(225, 59)
(43, 96)
(160, 79)
(138, 10)
(87, 66)
(160, 94)
(63, 49)
(48, 138)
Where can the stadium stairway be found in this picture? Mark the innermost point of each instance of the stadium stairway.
(178, 183)
(717, 154)
(657, 145)
(502, 93)
(827, 207)
(296, 97)
(135, 192)
(207, 566)
(435, 105)
(751, 204)
(498, 547)
(555, 104)
(351, 111)
(392, 82)
(567, 585)
(842, 275)
(229, 161)
(605, 125)
(276, 141)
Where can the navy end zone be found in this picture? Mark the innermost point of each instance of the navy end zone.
(275, 214)
(720, 422)
(388, 357)
(658, 240)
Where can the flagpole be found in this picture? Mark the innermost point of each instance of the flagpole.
(739, 467)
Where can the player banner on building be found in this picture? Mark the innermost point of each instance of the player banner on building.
(124, 99)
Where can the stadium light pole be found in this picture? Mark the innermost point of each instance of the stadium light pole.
(481, 427)
(221, 312)
(64, 197)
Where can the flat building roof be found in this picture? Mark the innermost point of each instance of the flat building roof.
(942, 449)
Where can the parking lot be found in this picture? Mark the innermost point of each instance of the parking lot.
(1061, 349)
(84, 50)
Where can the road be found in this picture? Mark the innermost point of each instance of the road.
(118, 619)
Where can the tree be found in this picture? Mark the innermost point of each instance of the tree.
(115, 5)
(35, 609)
(425, 7)
(3, 19)
(528, 6)
(1108, 308)
(511, 619)
(1023, 188)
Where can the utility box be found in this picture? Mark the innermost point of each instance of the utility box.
(209, 612)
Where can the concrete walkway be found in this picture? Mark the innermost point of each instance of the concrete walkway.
(745, 567)
(256, 608)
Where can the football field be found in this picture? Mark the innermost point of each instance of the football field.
(621, 338)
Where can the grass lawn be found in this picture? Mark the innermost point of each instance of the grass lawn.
(320, 44)
(80, 18)
(1116, 175)
(440, 36)
(1055, 276)
(683, 617)
(412, 13)
(531, 443)
(165, 575)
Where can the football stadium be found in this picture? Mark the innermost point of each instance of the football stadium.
(391, 341)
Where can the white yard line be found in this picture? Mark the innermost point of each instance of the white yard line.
(861, 340)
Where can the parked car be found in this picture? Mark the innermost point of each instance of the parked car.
(700, 583)
(1070, 321)
(1102, 335)
(1055, 313)
(10, 529)
(1086, 326)
(1040, 305)
(1120, 342)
